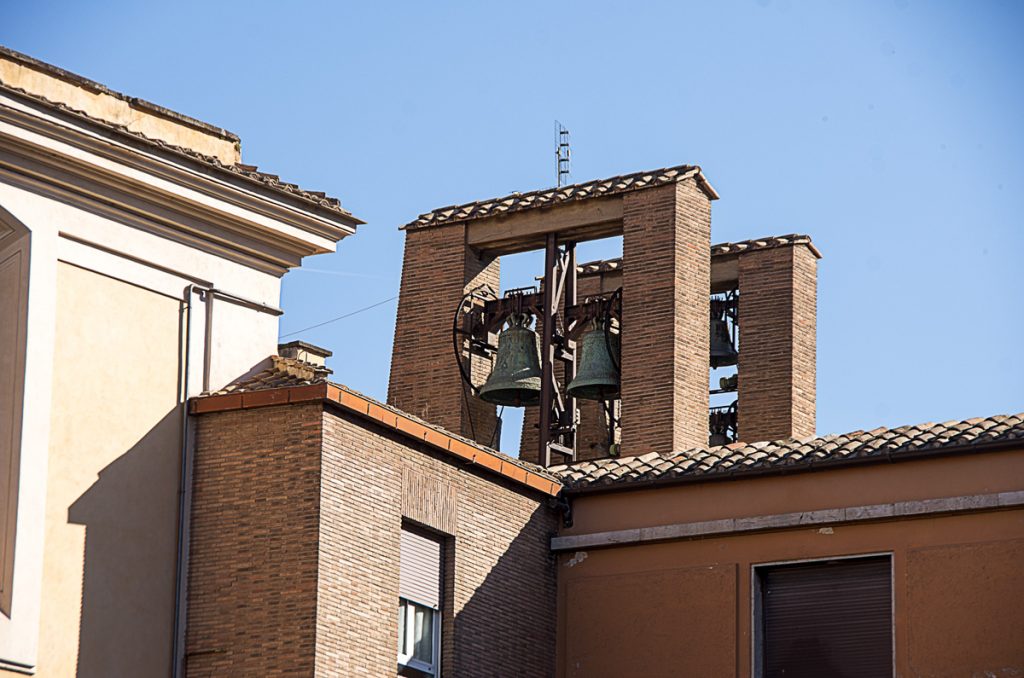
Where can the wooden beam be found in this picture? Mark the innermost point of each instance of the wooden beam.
(524, 231)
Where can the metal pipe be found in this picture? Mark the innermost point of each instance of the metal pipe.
(208, 341)
(184, 502)
(187, 456)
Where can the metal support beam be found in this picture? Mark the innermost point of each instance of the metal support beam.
(547, 353)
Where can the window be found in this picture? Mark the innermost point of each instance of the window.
(824, 618)
(14, 265)
(419, 604)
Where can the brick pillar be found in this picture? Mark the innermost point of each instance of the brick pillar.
(666, 253)
(437, 271)
(778, 318)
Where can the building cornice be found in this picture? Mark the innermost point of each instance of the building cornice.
(177, 191)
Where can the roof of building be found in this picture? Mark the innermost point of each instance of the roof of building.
(287, 380)
(291, 381)
(720, 250)
(738, 459)
(549, 197)
(100, 87)
(248, 172)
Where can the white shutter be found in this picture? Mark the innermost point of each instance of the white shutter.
(420, 569)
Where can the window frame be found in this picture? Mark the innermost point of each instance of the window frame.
(407, 660)
(757, 596)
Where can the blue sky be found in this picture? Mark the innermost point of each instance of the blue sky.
(889, 131)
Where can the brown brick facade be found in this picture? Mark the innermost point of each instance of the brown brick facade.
(308, 585)
(778, 339)
(438, 269)
(666, 250)
(254, 551)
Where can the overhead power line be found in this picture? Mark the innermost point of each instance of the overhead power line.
(340, 317)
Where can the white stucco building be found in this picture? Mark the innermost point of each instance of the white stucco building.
(140, 263)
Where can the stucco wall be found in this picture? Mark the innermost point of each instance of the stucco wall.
(684, 607)
(103, 364)
(111, 506)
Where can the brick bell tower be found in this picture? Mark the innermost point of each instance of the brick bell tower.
(667, 275)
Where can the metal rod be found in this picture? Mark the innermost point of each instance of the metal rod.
(546, 349)
(569, 412)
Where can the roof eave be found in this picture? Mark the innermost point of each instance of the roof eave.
(799, 467)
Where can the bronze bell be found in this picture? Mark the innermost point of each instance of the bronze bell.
(723, 353)
(597, 378)
(515, 379)
(718, 439)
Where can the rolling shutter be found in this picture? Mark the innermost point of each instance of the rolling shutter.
(830, 618)
(420, 569)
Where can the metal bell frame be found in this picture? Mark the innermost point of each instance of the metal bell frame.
(481, 314)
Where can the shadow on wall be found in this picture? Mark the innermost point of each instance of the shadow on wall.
(507, 626)
(130, 519)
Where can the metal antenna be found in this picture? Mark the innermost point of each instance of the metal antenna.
(562, 156)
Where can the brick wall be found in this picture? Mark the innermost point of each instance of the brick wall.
(253, 559)
(438, 269)
(666, 254)
(341, 487)
(778, 339)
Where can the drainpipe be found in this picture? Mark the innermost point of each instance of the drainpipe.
(207, 295)
(184, 503)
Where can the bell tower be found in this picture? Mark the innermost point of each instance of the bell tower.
(664, 218)
(678, 344)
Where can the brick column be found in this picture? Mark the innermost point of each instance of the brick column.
(778, 318)
(666, 254)
(437, 271)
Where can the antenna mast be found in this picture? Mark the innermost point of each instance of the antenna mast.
(562, 156)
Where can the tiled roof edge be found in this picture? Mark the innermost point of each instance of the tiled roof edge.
(549, 197)
(792, 455)
(248, 172)
(488, 460)
(717, 250)
(86, 83)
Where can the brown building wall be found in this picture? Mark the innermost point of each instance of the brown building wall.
(347, 486)
(254, 552)
(665, 307)
(652, 609)
(778, 343)
(438, 269)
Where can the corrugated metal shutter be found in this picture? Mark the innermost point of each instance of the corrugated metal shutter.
(828, 619)
(420, 569)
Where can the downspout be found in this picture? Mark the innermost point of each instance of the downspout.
(184, 503)
(188, 457)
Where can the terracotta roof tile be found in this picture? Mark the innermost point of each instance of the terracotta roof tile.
(281, 372)
(249, 172)
(737, 458)
(288, 372)
(719, 250)
(549, 197)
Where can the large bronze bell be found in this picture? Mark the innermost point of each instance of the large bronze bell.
(596, 375)
(723, 353)
(515, 379)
